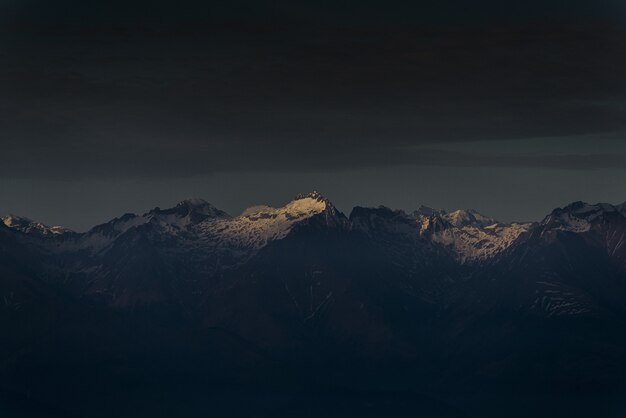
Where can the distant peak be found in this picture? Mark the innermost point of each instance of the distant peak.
(582, 211)
(10, 219)
(463, 217)
(312, 195)
(319, 199)
(428, 211)
(194, 202)
(196, 208)
(28, 226)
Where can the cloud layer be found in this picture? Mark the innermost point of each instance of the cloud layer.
(151, 104)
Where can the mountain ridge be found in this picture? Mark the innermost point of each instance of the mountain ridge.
(458, 217)
(471, 235)
(303, 295)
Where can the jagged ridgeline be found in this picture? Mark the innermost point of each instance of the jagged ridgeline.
(302, 300)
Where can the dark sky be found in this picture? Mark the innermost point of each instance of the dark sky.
(512, 108)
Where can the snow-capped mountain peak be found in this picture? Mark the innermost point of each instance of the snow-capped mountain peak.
(185, 213)
(463, 217)
(200, 206)
(428, 211)
(194, 202)
(471, 235)
(468, 235)
(299, 208)
(579, 216)
(258, 225)
(28, 226)
(311, 195)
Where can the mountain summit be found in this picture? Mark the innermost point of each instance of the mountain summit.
(192, 210)
(460, 218)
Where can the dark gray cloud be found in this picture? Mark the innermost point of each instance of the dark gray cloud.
(136, 104)
(153, 104)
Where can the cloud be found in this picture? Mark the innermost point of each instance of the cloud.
(150, 105)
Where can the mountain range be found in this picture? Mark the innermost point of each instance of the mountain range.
(304, 311)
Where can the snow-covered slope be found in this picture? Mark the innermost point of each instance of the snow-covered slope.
(28, 226)
(470, 235)
(561, 265)
(258, 225)
(196, 227)
(601, 225)
(463, 217)
(579, 216)
(475, 243)
(173, 221)
(467, 234)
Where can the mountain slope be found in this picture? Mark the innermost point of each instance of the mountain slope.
(28, 226)
(453, 305)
